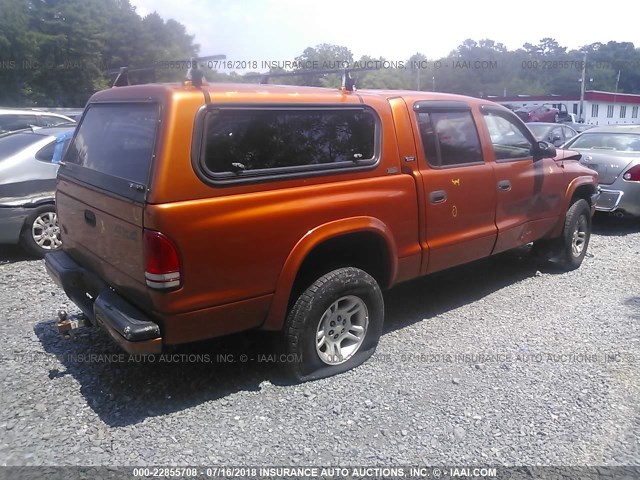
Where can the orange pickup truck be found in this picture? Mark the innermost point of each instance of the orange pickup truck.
(189, 212)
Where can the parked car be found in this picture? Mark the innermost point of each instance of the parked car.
(572, 121)
(538, 113)
(556, 134)
(12, 119)
(28, 165)
(614, 152)
(192, 212)
(511, 107)
(74, 114)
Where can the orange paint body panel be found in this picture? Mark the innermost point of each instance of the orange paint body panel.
(242, 244)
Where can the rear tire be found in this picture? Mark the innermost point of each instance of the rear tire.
(41, 232)
(334, 325)
(576, 235)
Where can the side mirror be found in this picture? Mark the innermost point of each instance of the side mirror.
(543, 150)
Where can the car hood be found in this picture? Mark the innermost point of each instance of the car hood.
(608, 164)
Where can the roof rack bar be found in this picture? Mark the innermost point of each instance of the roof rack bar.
(348, 83)
(123, 78)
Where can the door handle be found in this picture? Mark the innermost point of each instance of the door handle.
(438, 196)
(90, 217)
(504, 185)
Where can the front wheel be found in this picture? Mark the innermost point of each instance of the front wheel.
(41, 232)
(334, 325)
(576, 235)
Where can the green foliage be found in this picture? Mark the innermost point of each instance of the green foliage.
(57, 53)
(484, 68)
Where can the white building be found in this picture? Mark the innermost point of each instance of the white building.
(599, 108)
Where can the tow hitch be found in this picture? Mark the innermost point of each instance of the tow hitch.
(68, 324)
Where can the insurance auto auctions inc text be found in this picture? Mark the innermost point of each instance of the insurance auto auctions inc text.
(291, 65)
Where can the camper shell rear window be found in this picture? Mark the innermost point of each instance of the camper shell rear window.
(114, 147)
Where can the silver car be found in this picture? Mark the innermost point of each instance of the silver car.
(28, 167)
(13, 119)
(553, 133)
(614, 152)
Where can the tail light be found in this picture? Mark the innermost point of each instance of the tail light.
(633, 174)
(162, 262)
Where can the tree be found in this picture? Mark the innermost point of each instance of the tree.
(17, 45)
(58, 53)
(323, 57)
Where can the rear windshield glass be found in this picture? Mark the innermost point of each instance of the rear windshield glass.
(117, 140)
(11, 122)
(12, 144)
(538, 130)
(608, 141)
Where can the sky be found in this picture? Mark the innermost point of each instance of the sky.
(280, 30)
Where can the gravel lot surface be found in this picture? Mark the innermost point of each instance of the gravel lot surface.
(504, 362)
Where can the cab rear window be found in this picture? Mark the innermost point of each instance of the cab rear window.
(116, 140)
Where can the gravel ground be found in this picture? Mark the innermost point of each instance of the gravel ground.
(503, 362)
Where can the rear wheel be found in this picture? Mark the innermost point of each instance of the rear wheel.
(41, 233)
(334, 325)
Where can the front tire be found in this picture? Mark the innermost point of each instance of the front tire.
(41, 232)
(576, 235)
(334, 325)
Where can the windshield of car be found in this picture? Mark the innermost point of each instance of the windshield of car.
(12, 144)
(608, 141)
(538, 130)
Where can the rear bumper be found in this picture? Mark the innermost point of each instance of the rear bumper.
(609, 200)
(127, 325)
(625, 199)
(11, 222)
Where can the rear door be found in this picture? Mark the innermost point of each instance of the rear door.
(102, 185)
(459, 184)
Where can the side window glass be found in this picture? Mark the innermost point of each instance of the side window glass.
(449, 138)
(568, 133)
(238, 140)
(45, 154)
(509, 141)
(556, 136)
(49, 121)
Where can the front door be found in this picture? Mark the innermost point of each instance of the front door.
(529, 191)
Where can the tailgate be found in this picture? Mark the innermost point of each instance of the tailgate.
(103, 234)
(101, 191)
